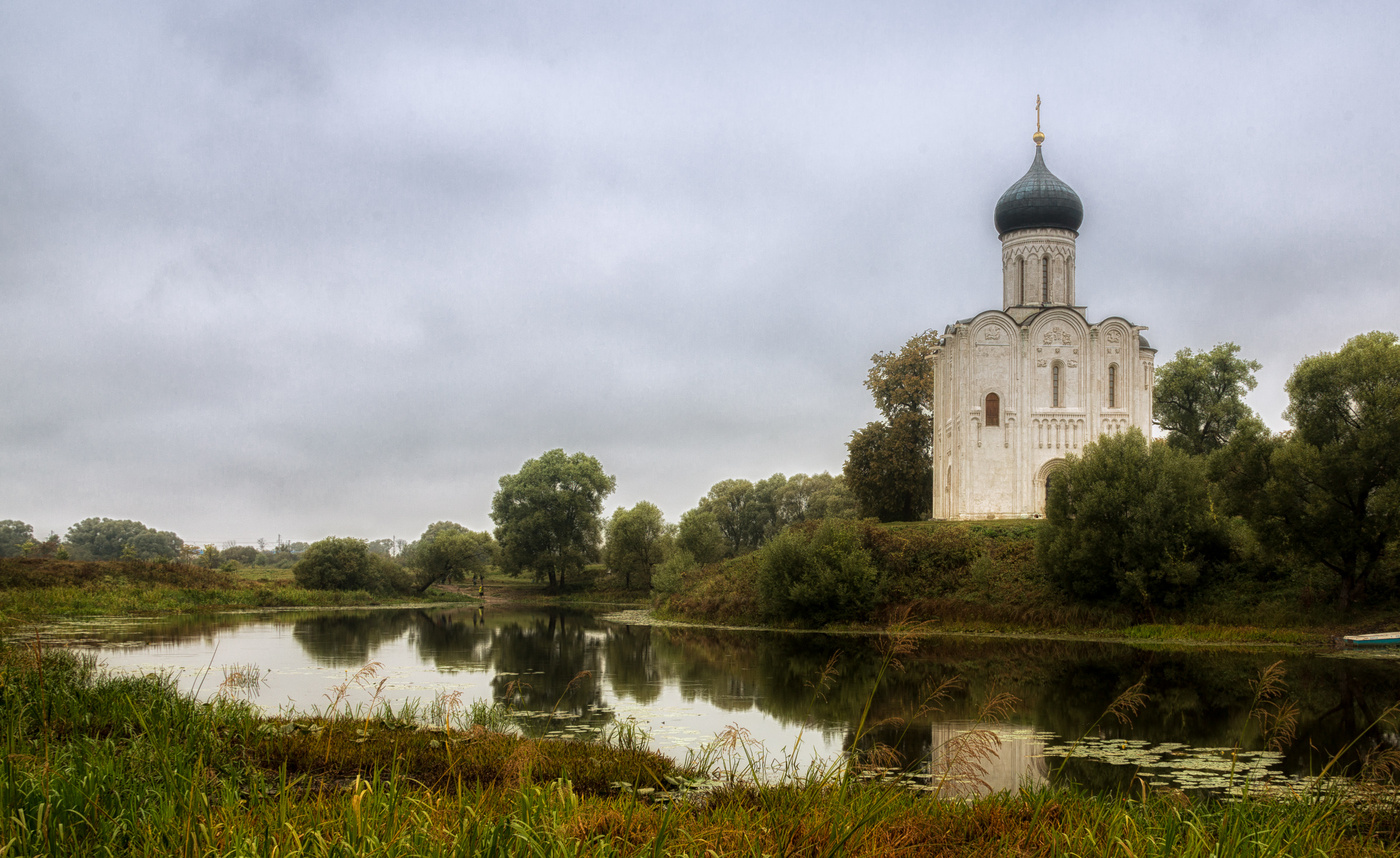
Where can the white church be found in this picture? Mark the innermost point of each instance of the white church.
(1018, 389)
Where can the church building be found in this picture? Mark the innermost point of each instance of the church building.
(1019, 388)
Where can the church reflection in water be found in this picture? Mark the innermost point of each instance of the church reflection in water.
(686, 685)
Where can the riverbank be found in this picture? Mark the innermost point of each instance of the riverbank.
(1007, 601)
(983, 578)
(35, 590)
(126, 765)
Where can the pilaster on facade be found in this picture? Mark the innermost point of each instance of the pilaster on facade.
(1026, 385)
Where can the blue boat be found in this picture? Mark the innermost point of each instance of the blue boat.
(1380, 639)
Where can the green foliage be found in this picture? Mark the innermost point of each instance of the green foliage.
(448, 552)
(1329, 492)
(1199, 398)
(245, 555)
(387, 547)
(888, 470)
(922, 562)
(548, 515)
(804, 498)
(699, 535)
(747, 513)
(338, 563)
(111, 539)
(637, 539)
(902, 382)
(819, 576)
(14, 535)
(1130, 520)
(668, 577)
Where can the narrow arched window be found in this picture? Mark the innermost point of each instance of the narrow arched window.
(1113, 385)
(1055, 385)
(1022, 263)
(993, 410)
(1045, 280)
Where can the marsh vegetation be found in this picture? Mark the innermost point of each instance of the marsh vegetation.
(128, 765)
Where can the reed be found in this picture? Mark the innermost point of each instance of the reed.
(95, 764)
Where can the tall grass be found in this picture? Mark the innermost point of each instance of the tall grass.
(95, 764)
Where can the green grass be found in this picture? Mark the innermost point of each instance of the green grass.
(103, 765)
(34, 590)
(269, 574)
(1223, 634)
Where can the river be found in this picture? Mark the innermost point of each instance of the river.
(571, 671)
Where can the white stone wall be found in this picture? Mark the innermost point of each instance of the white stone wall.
(983, 471)
(1037, 268)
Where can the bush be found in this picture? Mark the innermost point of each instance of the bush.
(923, 561)
(1130, 520)
(817, 577)
(669, 575)
(339, 563)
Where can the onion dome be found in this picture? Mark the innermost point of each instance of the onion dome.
(1039, 201)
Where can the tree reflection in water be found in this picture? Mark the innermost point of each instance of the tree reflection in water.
(581, 668)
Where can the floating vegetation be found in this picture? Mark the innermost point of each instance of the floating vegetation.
(1174, 765)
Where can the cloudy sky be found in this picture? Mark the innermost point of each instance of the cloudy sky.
(304, 269)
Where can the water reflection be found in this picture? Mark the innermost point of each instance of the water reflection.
(582, 669)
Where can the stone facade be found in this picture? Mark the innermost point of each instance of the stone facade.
(1020, 388)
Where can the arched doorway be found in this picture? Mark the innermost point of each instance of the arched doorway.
(1043, 479)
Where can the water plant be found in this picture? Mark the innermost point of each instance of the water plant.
(98, 764)
(1123, 708)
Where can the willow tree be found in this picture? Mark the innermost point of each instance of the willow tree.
(548, 515)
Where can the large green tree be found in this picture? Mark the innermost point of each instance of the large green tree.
(1329, 491)
(699, 535)
(1129, 521)
(548, 515)
(637, 540)
(113, 539)
(14, 535)
(747, 513)
(1199, 398)
(888, 469)
(819, 496)
(449, 552)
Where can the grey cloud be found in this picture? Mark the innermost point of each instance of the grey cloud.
(314, 268)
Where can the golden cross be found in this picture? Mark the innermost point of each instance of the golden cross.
(1037, 112)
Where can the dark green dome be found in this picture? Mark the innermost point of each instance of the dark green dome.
(1039, 201)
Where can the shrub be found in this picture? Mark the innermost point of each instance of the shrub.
(817, 577)
(338, 563)
(919, 562)
(1132, 520)
(669, 575)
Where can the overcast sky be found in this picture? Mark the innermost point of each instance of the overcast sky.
(305, 269)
